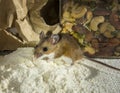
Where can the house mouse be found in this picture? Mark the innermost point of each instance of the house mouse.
(62, 44)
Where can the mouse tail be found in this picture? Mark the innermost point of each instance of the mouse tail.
(104, 64)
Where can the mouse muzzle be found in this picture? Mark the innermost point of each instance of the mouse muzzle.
(37, 55)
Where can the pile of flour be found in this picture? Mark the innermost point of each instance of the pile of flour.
(20, 73)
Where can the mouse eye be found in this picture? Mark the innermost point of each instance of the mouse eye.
(45, 49)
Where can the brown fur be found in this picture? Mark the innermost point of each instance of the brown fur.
(66, 46)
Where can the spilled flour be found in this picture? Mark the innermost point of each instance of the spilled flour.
(19, 73)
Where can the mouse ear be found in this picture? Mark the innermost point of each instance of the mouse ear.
(42, 35)
(49, 33)
(54, 39)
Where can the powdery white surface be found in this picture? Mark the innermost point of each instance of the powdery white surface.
(20, 73)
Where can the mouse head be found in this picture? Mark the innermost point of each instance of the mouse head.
(48, 44)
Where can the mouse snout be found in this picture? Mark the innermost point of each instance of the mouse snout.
(37, 55)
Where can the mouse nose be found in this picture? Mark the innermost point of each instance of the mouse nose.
(37, 55)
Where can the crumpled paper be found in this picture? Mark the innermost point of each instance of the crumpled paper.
(24, 16)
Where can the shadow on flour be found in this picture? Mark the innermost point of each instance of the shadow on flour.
(94, 72)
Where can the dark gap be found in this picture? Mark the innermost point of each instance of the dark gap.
(5, 52)
(50, 12)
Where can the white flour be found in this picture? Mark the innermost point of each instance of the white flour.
(19, 73)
